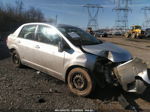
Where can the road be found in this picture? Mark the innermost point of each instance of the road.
(26, 89)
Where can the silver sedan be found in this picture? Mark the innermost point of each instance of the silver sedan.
(76, 57)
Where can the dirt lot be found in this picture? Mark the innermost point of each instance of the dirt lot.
(26, 90)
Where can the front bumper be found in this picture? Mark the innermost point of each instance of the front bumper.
(128, 72)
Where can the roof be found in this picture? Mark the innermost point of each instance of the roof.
(44, 23)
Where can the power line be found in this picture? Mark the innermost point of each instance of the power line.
(122, 9)
(93, 10)
(147, 17)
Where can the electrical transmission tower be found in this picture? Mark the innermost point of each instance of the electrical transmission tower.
(122, 9)
(93, 11)
(147, 17)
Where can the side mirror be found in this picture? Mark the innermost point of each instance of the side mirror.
(61, 46)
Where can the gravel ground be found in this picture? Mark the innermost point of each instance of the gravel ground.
(27, 90)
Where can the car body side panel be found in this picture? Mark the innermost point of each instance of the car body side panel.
(49, 57)
(44, 69)
(27, 49)
(12, 43)
(79, 59)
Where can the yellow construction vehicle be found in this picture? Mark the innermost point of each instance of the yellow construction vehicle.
(135, 32)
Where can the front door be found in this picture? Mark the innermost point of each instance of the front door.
(47, 52)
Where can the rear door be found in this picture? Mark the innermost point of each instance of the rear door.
(47, 54)
(26, 43)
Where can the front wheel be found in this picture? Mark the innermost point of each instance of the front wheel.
(133, 36)
(16, 59)
(80, 82)
(126, 35)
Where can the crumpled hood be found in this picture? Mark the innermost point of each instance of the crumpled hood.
(117, 54)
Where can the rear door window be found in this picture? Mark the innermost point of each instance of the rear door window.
(28, 32)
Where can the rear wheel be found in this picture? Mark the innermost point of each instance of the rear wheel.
(16, 59)
(80, 82)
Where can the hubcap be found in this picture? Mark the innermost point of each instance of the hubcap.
(79, 81)
(15, 59)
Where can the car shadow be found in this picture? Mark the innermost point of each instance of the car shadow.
(127, 100)
(4, 51)
(111, 93)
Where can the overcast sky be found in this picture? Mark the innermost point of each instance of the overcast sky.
(72, 12)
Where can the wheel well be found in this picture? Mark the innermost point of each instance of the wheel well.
(138, 77)
(11, 50)
(70, 68)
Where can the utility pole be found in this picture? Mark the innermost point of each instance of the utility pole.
(56, 19)
(147, 17)
(93, 10)
(122, 9)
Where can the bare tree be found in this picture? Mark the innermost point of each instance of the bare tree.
(19, 7)
(12, 16)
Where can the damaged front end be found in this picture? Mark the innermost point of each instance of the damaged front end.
(103, 72)
(116, 66)
(133, 75)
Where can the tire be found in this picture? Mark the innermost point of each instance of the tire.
(126, 35)
(140, 86)
(80, 82)
(133, 36)
(16, 59)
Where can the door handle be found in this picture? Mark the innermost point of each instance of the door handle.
(37, 46)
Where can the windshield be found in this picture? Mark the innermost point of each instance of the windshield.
(136, 27)
(77, 36)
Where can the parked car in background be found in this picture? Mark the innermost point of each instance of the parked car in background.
(76, 57)
(109, 33)
(100, 34)
(147, 32)
(90, 31)
(117, 33)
